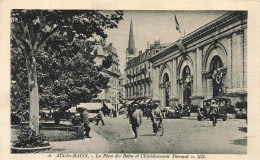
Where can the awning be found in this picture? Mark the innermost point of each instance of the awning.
(129, 102)
(121, 106)
(138, 101)
(109, 105)
(72, 110)
(148, 100)
(142, 102)
(90, 106)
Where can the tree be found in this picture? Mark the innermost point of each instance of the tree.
(33, 30)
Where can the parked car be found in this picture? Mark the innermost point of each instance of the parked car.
(223, 103)
(171, 112)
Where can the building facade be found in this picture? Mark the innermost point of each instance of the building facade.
(210, 62)
(122, 89)
(110, 94)
(138, 84)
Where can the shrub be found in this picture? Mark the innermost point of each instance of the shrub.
(28, 138)
(16, 118)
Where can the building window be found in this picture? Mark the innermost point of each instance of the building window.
(186, 85)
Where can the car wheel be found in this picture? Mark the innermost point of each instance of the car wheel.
(224, 119)
(199, 118)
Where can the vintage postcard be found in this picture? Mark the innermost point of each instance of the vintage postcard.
(130, 80)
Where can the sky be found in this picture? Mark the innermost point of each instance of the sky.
(149, 26)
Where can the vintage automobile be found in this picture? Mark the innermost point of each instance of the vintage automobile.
(171, 112)
(223, 103)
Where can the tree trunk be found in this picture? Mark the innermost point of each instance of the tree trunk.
(33, 92)
(57, 118)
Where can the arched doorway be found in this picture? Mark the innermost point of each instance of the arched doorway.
(186, 74)
(166, 82)
(216, 68)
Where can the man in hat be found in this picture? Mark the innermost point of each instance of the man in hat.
(214, 111)
(156, 115)
(100, 117)
(135, 118)
(86, 123)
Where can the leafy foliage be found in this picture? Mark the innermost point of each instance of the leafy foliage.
(28, 138)
(58, 39)
(19, 80)
(107, 61)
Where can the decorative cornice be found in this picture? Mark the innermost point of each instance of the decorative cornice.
(207, 29)
(228, 36)
(240, 31)
(214, 25)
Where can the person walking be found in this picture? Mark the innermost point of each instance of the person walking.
(156, 115)
(100, 117)
(135, 118)
(86, 123)
(214, 111)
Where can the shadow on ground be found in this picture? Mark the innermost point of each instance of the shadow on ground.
(206, 126)
(147, 135)
(242, 142)
(242, 129)
(127, 138)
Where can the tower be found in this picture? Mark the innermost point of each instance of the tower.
(131, 50)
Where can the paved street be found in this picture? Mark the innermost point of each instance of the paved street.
(181, 136)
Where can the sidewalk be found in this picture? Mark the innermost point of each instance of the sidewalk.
(96, 144)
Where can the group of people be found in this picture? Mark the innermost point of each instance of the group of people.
(85, 120)
(135, 117)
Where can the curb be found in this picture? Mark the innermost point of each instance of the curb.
(97, 144)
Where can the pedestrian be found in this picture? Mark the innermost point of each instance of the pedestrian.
(135, 118)
(149, 106)
(86, 122)
(114, 113)
(156, 116)
(111, 113)
(100, 117)
(214, 111)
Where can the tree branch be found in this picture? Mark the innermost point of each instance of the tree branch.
(42, 26)
(44, 39)
(20, 42)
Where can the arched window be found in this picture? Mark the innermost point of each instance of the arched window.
(186, 85)
(217, 76)
(167, 87)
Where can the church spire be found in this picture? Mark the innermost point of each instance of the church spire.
(131, 43)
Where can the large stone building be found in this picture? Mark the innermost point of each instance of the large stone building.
(122, 89)
(109, 95)
(138, 84)
(209, 62)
